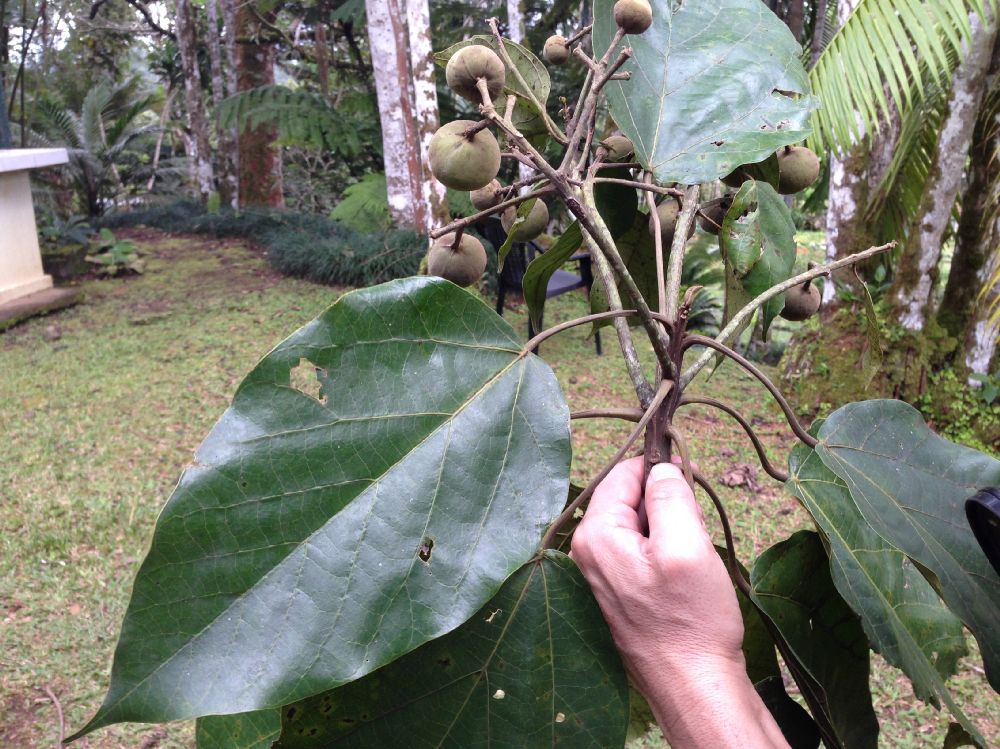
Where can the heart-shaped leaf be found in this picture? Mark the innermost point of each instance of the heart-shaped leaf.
(791, 583)
(256, 730)
(535, 667)
(757, 240)
(901, 614)
(535, 283)
(714, 84)
(911, 485)
(323, 534)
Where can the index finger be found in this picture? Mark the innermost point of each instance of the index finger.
(616, 498)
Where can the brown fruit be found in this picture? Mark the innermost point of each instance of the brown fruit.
(619, 148)
(462, 163)
(633, 16)
(533, 225)
(486, 197)
(714, 213)
(801, 302)
(556, 51)
(798, 167)
(668, 211)
(462, 264)
(470, 64)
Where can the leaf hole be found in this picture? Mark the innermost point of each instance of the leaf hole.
(291, 712)
(308, 379)
(444, 662)
(425, 550)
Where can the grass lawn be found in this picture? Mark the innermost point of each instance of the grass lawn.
(103, 405)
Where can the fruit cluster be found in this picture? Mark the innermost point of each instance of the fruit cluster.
(465, 155)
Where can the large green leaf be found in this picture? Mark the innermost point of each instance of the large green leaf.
(535, 283)
(791, 583)
(256, 730)
(535, 667)
(713, 86)
(757, 240)
(911, 486)
(320, 535)
(616, 203)
(900, 612)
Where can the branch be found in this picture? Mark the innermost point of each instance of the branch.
(469, 220)
(685, 219)
(549, 332)
(744, 314)
(150, 21)
(626, 414)
(735, 573)
(552, 127)
(643, 390)
(573, 506)
(648, 186)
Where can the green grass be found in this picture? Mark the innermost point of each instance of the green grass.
(100, 422)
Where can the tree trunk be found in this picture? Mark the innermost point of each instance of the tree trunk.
(225, 138)
(981, 334)
(388, 45)
(917, 271)
(425, 108)
(322, 57)
(199, 153)
(846, 227)
(819, 31)
(515, 30)
(796, 12)
(259, 156)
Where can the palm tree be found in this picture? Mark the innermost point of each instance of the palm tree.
(96, 138)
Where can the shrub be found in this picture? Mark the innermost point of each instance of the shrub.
(302, 245)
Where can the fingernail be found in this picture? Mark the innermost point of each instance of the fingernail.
(664, 471)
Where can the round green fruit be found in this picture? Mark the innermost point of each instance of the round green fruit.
(486, 197)
(462, 264)
(801, 302)
(619, 148)
(713, 214)
(556, 50)
(461, 162)
(533, 225)
(668, 211)
(633, 16)
(470, 64)
(798, 167)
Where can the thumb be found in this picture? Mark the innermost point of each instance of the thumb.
(675, 519)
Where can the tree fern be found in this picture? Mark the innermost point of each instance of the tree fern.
(886, 51)
(306, 119)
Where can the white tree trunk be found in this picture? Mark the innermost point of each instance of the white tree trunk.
(225, 138)
(982, 337)
(918, 269)
(388, 43)
(187, 46)
(848, 187)
(425, 108)
(515, 29)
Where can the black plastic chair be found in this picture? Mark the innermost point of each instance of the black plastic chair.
(521, 253)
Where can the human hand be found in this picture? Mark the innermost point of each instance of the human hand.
(671, 608)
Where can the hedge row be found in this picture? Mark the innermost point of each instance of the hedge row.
(301, 245)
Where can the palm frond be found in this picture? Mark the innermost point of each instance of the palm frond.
(885, 54)
(92, 115)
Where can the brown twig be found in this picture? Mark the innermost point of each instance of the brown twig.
(793, 422)
(647, 186)
(626, 414)
(769, 468)
(59, 713)
(733, 564)
(461, 223)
